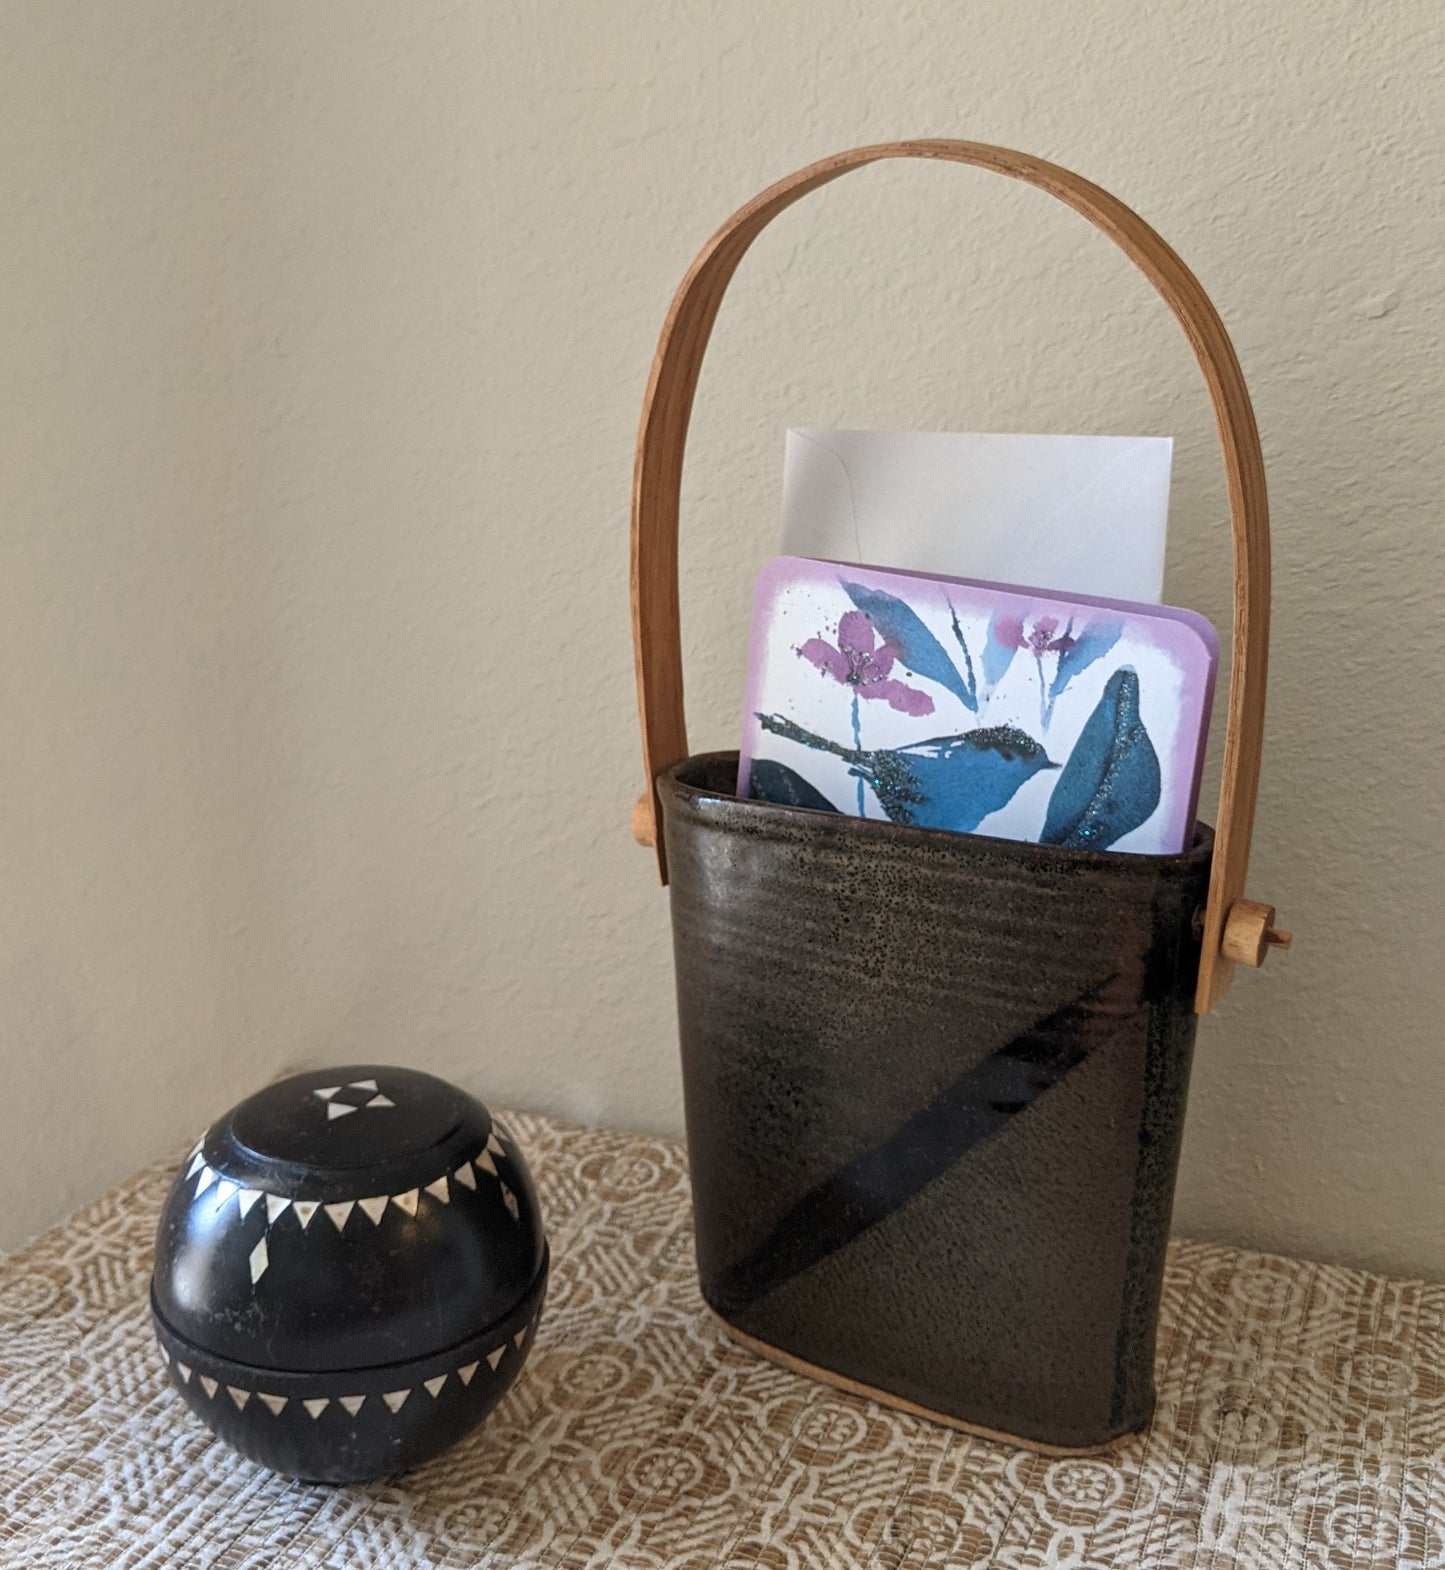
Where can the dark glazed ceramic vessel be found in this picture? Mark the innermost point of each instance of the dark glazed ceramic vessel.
(349, 1272)
(935, 1088)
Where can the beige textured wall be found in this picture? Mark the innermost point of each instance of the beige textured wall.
(323, 330)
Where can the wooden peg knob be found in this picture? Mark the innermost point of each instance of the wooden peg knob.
(643, 830)
(1250, 933)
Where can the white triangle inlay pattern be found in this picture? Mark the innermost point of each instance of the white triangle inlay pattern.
(361, 1084)
(210, 1386)
(396, 1399)
(184, 1372)
(433, 1386)
(274, 1404)
(465, 1374)
(353, 1404)
(445, 1190)
(240, 1397)
(495, 1356)
(316, 1406)
(520, 1336)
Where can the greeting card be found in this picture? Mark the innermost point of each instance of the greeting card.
(949, 703)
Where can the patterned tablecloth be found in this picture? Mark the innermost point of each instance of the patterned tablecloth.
(1301, 1422)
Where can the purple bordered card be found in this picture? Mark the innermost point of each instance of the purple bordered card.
(977, 707)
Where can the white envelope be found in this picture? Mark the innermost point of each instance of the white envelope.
(1085, 514)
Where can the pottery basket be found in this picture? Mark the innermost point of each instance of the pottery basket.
(935, 1082)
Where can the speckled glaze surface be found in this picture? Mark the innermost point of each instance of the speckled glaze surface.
(935, 1089)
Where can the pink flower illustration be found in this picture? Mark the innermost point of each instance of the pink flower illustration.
(1045, 638)
(861, 663)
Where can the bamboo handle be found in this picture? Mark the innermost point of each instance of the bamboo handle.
(1232, 931)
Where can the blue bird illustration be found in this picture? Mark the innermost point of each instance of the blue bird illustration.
(949, 782)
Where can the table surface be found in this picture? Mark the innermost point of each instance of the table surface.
(1301, 1421)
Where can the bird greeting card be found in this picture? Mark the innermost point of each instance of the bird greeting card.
(949, 703)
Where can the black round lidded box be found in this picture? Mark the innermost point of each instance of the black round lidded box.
(349, 1271)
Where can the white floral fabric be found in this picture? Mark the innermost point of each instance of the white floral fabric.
(1301, 1422)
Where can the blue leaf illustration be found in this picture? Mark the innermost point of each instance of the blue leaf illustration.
(770, 781)
(919, 650)
(998, 655)
(1093, 643)
(950, 782)
(969, 679)
(1110, 785)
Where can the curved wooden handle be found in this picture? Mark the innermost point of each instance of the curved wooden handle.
(657, 484)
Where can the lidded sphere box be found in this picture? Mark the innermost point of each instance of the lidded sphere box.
(349, 1271)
